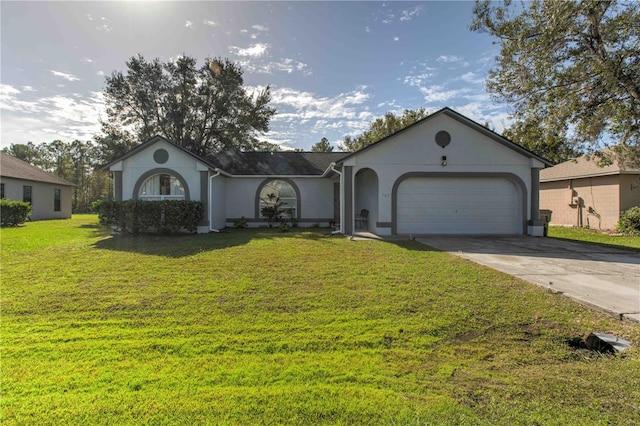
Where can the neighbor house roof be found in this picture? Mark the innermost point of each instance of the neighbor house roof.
(464, 120)
(583, 167)
(280, 163)
(12, 167)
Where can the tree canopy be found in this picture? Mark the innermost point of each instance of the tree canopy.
(571, 69)
(205, 110)
(322, 146)
(382, 127)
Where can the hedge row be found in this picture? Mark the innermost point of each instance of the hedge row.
(14, 213)
(159, 217)
(629, 223)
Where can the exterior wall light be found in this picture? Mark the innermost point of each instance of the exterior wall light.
(444, 160)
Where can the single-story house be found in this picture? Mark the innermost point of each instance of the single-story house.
(50, 196)
(445, 174)
(581, 193)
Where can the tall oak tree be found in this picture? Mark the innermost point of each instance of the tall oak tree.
(203, 109)
(570, 68)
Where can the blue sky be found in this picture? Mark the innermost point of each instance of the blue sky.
(333, 67)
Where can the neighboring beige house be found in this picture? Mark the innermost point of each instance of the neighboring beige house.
(445, 174)
(50, 196)
(581, 193)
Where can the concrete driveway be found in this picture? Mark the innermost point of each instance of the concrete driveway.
(604, 278)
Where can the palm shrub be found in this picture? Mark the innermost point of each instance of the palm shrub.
(273, 210)
(629, 222)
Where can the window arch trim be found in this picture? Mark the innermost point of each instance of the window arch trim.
(290, 182)
(160, 171)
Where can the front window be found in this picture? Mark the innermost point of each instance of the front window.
(280, 192)
(162, 187)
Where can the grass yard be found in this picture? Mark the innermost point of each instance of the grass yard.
(260, 327)
(594, 237)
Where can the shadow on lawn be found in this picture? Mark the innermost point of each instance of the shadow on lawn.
(96, 230)
(189, 244)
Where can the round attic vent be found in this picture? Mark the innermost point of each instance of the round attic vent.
(161, 156)
(443, 138)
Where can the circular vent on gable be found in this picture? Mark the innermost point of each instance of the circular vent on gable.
(443, 138)
(160, 156)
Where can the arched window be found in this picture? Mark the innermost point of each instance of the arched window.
(282, 192)
(161, 186)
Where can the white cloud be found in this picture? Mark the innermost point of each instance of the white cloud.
(448, 58)
(482, 112)
(287, 65)
(367, 29)
(188, 24)
(47, 118)
(472, 78)
(396, 38)
(260, 28)
(28, 89)
(438, 94)
(255, 50)
(342, 112)
(104, 25)
(408, 15)
(86, 60)
(418, 80)
(210, 23)
(66, 76)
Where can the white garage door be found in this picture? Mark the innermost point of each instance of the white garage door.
(457, 206)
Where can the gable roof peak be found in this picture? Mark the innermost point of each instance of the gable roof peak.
(449, 112)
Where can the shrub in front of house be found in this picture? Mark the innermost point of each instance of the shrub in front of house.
(158, 217)
(14, 213)
(629, 222)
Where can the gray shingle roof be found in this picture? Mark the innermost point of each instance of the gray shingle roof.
(275, 163)
(12, 167)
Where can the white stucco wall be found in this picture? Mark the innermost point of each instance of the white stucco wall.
(316, 197)
(240, 197)
(415, 150)
(179, 162)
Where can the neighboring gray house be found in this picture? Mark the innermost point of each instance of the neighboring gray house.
(445, 174)
(50, 196)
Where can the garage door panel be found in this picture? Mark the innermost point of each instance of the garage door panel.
(457, 206)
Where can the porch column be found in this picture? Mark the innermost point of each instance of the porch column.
(347, 176)
(117, 185)
(535, 196)
(204, 196)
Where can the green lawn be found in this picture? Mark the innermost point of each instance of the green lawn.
(260, 327)
(588, 236)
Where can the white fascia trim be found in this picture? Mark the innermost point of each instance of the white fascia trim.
(592, 175)
(277, 176)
